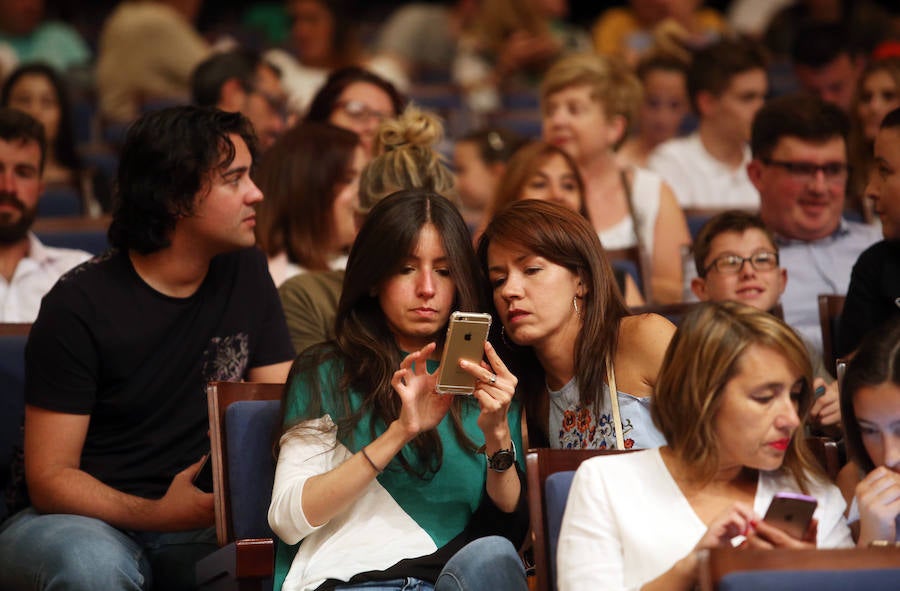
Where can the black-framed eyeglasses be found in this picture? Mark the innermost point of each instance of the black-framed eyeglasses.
(729, 264)
(807, 171)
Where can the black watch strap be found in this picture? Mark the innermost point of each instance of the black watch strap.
(502, 459)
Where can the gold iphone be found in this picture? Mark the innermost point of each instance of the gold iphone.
(466, 335)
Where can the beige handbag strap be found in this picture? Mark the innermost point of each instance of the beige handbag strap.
(614, 402)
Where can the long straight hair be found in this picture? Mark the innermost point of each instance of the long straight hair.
(364, 348)
(565, 238)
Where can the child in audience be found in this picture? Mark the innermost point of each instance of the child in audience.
(544, 172)
(379, 476)
(479, 159)
(737, 259)
(588, 104)
(310, 177)
(730, 399)
(870, 402)
(587, 369)
(663, 108)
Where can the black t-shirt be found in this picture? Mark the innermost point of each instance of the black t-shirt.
(107, 344)
(873, 296)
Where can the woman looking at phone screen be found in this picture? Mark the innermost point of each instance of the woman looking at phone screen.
(571, 340)
(731, 393)
(377, 474)
(870, 405)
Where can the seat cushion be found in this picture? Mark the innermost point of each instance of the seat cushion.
(556, 493)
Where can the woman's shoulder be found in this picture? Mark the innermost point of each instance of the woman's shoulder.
(640, 330)
(618, 466)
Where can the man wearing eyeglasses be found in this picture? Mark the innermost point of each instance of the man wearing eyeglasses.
(240, 81)
(799, 166)
(737, 259)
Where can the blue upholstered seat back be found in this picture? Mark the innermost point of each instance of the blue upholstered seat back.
(556, 493)
(820, 580)
(12, 403)
(249, 429)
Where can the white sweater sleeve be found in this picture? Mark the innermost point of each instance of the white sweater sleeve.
(307, 449)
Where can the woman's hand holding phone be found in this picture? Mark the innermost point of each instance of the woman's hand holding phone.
(495, 387)
(878, 498)
(739, 519)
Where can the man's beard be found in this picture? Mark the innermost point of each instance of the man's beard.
(13, 230)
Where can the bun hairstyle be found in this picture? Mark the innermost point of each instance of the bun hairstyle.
(407, 159)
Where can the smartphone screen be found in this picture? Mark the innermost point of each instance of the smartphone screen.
(466, 336)
(203, 479)
(791, 513)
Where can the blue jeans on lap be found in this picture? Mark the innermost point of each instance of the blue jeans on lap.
(73, 552)
(487, 563)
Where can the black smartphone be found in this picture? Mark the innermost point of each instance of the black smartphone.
(791, 513)
(203, 479)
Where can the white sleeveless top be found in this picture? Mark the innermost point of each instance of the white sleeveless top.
(645, 190)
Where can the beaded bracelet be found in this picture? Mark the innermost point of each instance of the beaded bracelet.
(371, 463)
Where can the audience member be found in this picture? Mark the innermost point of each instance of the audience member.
(586, 368)
(723, 246)
(378, 475)
(358, 100)
(708, 169)
(630, 32)
(118, 361)
(588, 104)
(731, 400)
(310, 179)
(407, 160)
(799, 166)
(544, 172)
(38, 90)
(826, 64)
(421, 37)
(870, 402)
(147, 51)
(241, 81)
(479, 160)
(28, 269)
(874, 292)
(322, 39)
(865, 23)
(509, 46)
(34, 39)
(663, 108)
(878, 94)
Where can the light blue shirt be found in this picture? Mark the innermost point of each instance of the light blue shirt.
(55, 43)
(820, 267)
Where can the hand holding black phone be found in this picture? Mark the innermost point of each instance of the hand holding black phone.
(203, 479)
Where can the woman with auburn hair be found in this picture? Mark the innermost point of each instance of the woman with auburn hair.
(731, 398)
(870, 406)
(310, 177)
(569, 335)
(380, 477)
(544, 172)
(588, 104)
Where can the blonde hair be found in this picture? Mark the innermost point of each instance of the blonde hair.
(703, 356)
(611, 81)
(406, 159)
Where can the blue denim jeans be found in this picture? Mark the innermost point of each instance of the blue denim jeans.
(74, 553)
(487, 563)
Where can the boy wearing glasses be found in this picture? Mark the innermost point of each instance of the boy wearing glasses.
(737, 259)
(799, 166)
